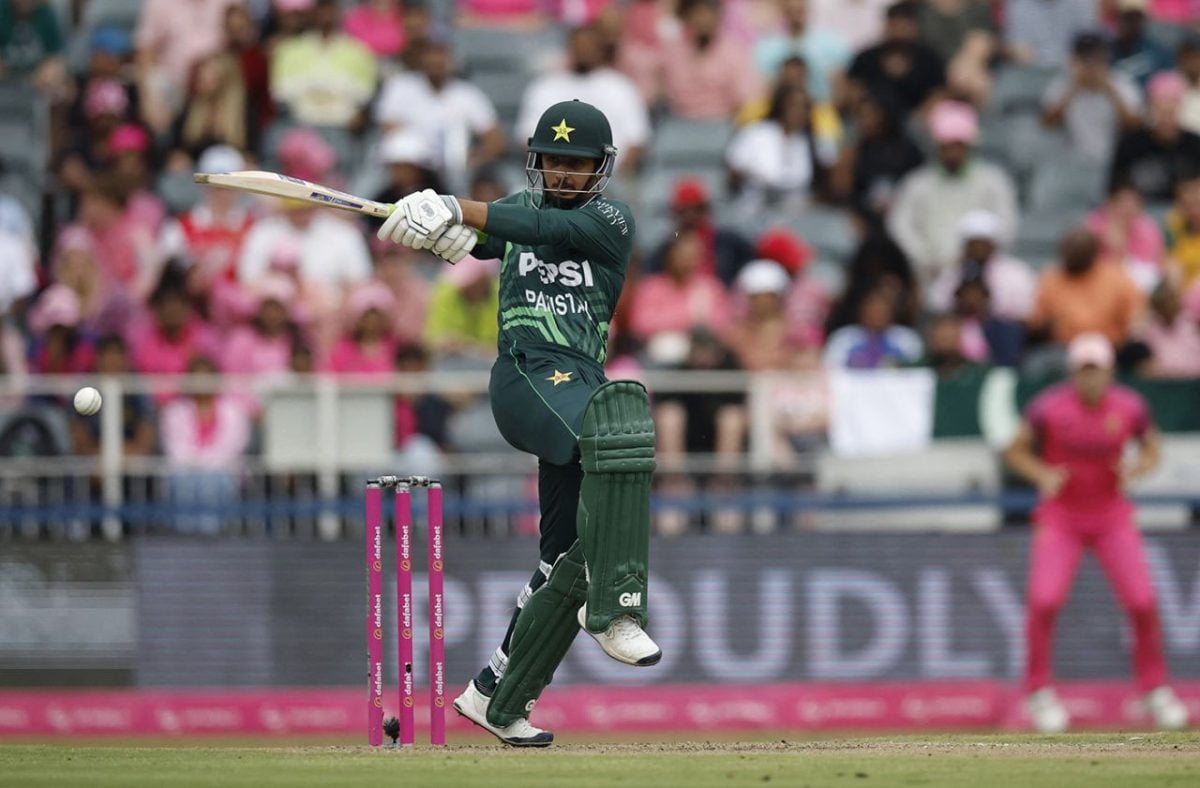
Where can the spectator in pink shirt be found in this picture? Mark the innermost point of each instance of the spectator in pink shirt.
(705, 75)
(204, 437)
(368, 347)
(1129, 235)
(379, 24)
(682, 297)
(174, 334)
(1172, 335)
(263, 345)
(59, 347)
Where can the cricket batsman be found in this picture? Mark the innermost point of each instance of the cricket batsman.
(564, 249)
(1070, 446)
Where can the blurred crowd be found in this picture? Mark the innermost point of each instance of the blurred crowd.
(918, 132)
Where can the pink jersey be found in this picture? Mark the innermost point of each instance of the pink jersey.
(1087, 441)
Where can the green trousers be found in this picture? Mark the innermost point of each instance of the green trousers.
(538, 397)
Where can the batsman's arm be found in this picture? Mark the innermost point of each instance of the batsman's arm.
(606, 236)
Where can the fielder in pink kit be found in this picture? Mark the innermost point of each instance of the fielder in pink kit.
(1070, 446)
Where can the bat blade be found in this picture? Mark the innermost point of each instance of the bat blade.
(272, 184)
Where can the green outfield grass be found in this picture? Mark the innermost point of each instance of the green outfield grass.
(975, 761)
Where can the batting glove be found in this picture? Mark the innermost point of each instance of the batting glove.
(419, 219)
(455, 243)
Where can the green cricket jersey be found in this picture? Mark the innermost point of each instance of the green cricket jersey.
(561, 270)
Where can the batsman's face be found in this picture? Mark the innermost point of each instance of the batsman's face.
(567, 176)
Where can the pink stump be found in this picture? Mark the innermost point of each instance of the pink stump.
(437, 621)
(404, 612)
(374, 563)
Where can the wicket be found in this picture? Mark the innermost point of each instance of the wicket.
(402, 487)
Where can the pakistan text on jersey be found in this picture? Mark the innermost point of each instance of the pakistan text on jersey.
(568, 273)
(560, 304)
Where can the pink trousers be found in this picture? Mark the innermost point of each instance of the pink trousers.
(1058, 544)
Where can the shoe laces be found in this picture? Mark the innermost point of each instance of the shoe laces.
(626, 627)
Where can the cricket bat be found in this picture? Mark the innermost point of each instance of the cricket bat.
(272, 184)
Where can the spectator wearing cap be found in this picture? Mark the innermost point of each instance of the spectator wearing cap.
(463, 309)
(130, 171)
(1134, 52)
(215, 109)
(589, 76)
(323, 77)
(760, 337)
(1090, 102)
(1010, 282)
(932, 199)
(1129, 235)
(724, 250)
(1172, 335)
(59, 346)
(1085, 293)
(1153, 157)
(210, 234)
(1039, 32)
(705, 75)
(680, 298)
(205, 435)
(825, 53)
(874, 340)
(778, 161)
(807, 303)
(457, 119)
(332, 251)
(108, 54)
(870, 167)
(395, 267)
(409, 161)
(171, 37)
(900, 62)
(103, 105)
(379, 24)
(368, 345)
(31, 44)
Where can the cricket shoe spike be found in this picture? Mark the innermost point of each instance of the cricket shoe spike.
(1167, 709)
(1047, 712)
(625, 641)
(473, 705)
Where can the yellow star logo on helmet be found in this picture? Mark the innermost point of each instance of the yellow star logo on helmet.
(562, 131)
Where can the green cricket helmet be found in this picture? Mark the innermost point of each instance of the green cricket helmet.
(572, 128)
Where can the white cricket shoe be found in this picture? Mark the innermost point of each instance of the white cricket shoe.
(473, 705)
(1166, 708)
(1047, 712)
(625, 641)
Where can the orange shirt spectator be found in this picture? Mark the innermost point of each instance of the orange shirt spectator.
(1086, 293)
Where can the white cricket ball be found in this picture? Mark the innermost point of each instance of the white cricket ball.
(87, 401)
